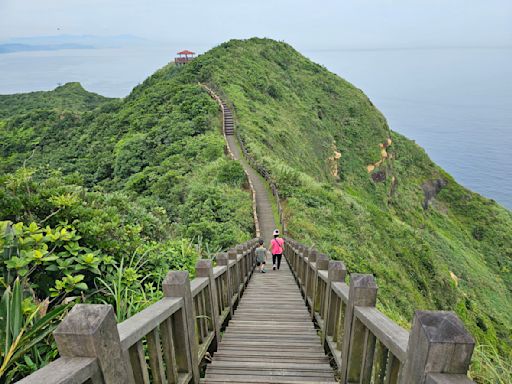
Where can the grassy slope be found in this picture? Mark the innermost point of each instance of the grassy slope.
(292, 114)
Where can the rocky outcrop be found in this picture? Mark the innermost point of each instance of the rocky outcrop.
(431, 188)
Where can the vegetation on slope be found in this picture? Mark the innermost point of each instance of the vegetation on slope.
(97, 204)
(70, 96)
(365, 199)
(136, 178)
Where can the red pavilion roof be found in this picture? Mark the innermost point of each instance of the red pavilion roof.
(185, 52)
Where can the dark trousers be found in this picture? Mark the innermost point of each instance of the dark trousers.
(278, 258)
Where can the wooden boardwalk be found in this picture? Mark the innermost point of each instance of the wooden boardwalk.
(271, 338)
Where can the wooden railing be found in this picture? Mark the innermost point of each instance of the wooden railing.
(367, 346)
(164, 343)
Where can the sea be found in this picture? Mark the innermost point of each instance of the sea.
(456, 102)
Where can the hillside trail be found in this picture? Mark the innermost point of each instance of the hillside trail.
(263, 198)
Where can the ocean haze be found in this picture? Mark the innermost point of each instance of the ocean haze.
(454, 102)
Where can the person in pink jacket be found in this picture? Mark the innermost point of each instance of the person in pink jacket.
(276, 248)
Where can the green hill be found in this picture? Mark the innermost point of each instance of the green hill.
(381, 206)
(70, 96)
(153, 164)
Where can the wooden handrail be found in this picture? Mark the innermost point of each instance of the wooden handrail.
(66, 369)
(166, 341)
(365, 344)
(390, 334)
(136, 327)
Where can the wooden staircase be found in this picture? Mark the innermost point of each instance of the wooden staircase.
(229, 125)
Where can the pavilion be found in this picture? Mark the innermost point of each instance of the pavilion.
(184, 57)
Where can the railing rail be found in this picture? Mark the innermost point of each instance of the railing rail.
(164, 343)
(367, 346)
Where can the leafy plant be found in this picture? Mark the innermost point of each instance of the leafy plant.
(126, 286)
(21, 331)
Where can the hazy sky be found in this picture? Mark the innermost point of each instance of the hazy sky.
(306, 24)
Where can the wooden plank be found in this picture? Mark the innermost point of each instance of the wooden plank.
(197, 285)
(342, 290)
(275, 365)
(392, 371)
(140, 324)
(138, 361)
(155, 357)
(169, 351)
(447, 378)
(241, 379)
(380, 363)
(65, 370)
(272, 371)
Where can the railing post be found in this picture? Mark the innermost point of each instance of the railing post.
(336, 274)
(290, 256)
(204, 268)
(232, 255)
(241, 269)
(311, 275)
(298, 260)
(438, 343)
(322, 263)
(90, 330)
(254, 243)
(304, 269)
(246, 249)
(177, 284)
(222, 260)
(363, 292)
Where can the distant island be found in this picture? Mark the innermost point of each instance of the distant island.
(10, 48)
(62, 42)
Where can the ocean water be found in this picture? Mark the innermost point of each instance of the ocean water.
(454, 102)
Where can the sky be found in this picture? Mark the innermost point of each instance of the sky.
(321, 24)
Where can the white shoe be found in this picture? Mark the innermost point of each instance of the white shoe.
(274, 267)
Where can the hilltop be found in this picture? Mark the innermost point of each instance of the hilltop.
(70, 96)
(351, 187)
(365, 194)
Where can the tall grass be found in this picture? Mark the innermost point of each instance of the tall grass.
(489, 367)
